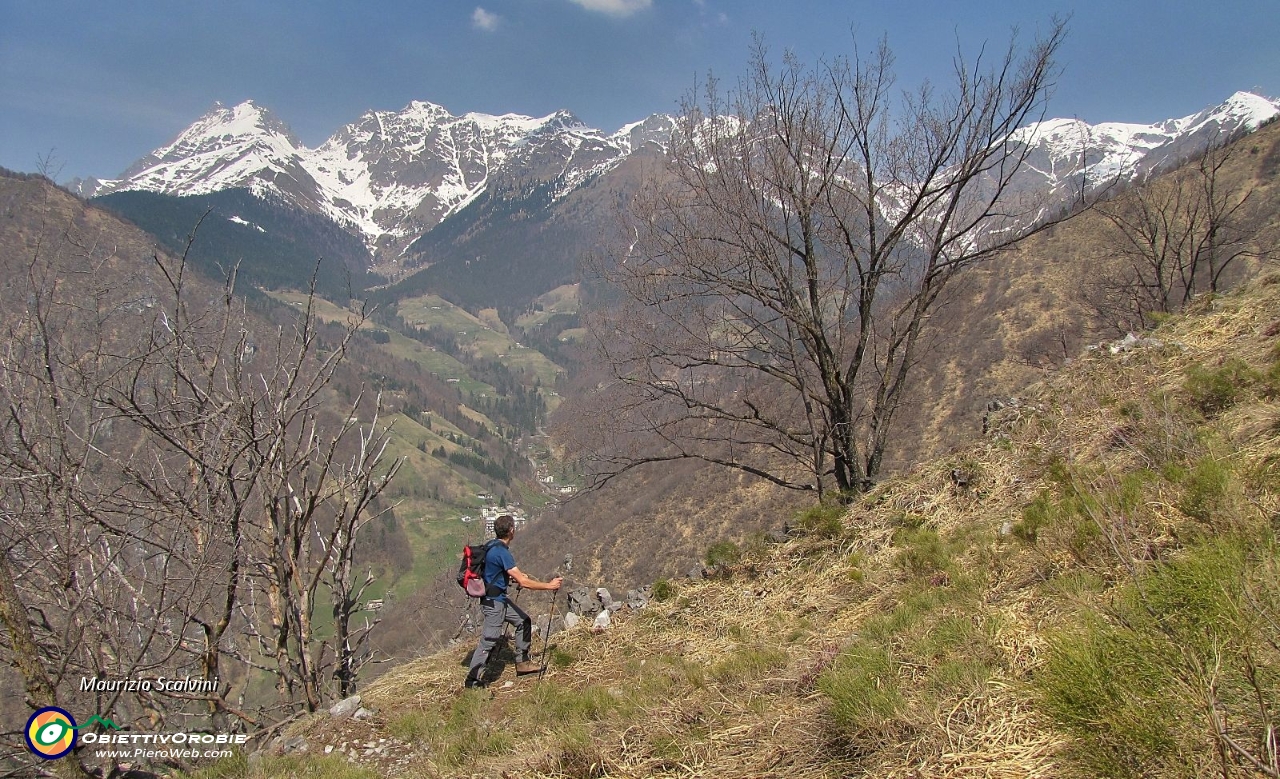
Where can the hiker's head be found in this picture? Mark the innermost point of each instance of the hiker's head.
(504, 527)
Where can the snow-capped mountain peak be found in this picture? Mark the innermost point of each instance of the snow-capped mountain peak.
(389, 175)
(1241, 111)
(656, 128)
(1062, 151)
(219, 128)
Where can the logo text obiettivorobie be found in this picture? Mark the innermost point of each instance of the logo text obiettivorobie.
(52, 733)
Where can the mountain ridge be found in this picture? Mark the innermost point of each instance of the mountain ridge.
(391, 177)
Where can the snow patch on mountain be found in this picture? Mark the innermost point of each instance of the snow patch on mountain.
(240, 221)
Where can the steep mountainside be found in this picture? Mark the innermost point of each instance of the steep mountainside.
(1091, 589)
(273, 245)
(461, 394)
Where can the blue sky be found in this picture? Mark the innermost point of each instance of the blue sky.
(100, 84)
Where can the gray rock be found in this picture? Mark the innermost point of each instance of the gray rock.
(295, 744)
(345, 707)
(637, 599)
(582, 603)
(603, 620)
(1125, 344)
(363, 714)
(776, 537)
(547, 625)
(606, 599)
(571, 620)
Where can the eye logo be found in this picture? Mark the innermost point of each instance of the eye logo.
(50, 733)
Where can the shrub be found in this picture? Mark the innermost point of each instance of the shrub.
(1036, 515)
(1106, 689)
(755, 545)
(863, 688)
(1215, 391)
(723, 553)
(663, 590)
(1204, 487)
(923, 551)
(966, 474)
(822, 521)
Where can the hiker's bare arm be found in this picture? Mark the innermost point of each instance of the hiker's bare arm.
(530, 583)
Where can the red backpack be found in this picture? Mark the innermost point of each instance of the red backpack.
(471, 571)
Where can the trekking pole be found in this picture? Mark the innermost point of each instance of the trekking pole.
(546, 636)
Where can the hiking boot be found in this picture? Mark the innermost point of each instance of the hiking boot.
(473, 684)
(528, 667)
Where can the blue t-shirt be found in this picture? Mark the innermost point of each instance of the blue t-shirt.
(496, 564)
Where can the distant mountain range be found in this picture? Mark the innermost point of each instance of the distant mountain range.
(1113, 149)
(423, 188)
(389, 177)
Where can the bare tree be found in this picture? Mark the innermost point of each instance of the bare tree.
(776, 287)
(1174, 236)
(165, 458)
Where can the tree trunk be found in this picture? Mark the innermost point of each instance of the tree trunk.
(40, 691)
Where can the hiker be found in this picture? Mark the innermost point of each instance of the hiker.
(499, 570)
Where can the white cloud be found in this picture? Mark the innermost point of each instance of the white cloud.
(483, 20)
(619, 8)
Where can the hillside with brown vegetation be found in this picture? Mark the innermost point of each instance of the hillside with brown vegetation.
(1010, 322)
(1091, 589)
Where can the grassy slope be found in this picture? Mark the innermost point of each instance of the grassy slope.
(1065, 597)
(561, 300)
(480, 338)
